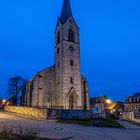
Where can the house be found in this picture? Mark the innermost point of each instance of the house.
(132, 103)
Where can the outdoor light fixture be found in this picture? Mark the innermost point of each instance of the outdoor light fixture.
(109, 101)
(3, 101)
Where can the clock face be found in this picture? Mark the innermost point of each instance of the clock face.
(71, 49)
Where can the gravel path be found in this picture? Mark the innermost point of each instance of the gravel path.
(128, 125)
(52, 129)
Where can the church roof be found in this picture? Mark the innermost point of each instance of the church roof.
(66, 11)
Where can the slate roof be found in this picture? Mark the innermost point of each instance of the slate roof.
(66, 11)
(136, 94)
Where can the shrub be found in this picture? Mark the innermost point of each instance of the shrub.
(18, 133)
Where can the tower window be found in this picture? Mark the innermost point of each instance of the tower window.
(71, 80)
(58, 37)
(40, 76)
(71, 49)
(71, 62)
(58, 81)
(58, 64)
(71, 35)
(58, 50)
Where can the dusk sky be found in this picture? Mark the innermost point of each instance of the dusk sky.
(109, 35)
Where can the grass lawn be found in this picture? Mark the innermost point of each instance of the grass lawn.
(104, 122)
(80, 122)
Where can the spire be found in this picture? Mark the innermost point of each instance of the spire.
(66, 11)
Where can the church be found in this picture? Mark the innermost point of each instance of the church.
(60, 86)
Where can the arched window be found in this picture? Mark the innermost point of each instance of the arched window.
(58, 37)
(71, 35)
(71, 80)
(58, 50)
(71, 62)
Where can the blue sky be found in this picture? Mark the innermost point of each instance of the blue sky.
(110, 42)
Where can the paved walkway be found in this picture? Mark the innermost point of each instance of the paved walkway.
(59, 131)
(128, 125)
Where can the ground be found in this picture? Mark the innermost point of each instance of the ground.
(60, 131)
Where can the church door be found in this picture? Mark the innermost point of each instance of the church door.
(71, 102)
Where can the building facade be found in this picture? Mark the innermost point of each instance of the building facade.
(132, 103)
(99, 101)
(61, 86)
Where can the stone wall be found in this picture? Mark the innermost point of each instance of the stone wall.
(85, 93)
(47, 86)
(55, 114)
(40, 91)
(51, 114)
(131, 116)
(128, 116)
(28, 111)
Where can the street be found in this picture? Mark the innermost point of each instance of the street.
(54, 130)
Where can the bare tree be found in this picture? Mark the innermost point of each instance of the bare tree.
(15, 85)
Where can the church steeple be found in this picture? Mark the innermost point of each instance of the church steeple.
(68, 93)
(66, 11)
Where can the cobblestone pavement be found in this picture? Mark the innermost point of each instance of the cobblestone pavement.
(52, 129)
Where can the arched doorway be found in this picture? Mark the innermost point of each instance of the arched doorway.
(71, 102)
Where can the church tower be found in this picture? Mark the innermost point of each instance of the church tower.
(68, 93)
(61, 86)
